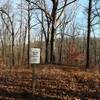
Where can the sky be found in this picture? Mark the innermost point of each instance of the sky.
(81, 4)
(80, 18)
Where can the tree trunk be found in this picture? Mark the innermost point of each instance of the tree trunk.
(53, 14)
(46, 51)
(28, 51)
(88, 35)
(13, 44)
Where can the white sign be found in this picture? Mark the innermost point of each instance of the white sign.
(35, 55)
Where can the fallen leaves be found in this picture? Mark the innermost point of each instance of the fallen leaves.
(53, 82)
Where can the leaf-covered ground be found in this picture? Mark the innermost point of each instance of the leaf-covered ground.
(51, 83)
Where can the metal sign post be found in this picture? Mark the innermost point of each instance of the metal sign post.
(34, 60)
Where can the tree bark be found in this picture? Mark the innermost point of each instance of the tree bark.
(28, 51)
(53, 14)
(88, 35)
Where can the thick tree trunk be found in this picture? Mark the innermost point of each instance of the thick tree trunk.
(88, 35)
(53, 14)
(52, 45)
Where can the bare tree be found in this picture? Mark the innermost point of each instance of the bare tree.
(53, 17)
(12, 31)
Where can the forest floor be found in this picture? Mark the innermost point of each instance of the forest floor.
(52, 82)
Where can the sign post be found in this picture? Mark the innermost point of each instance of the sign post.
(34, 60)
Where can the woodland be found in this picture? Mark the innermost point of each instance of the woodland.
(67, 34)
